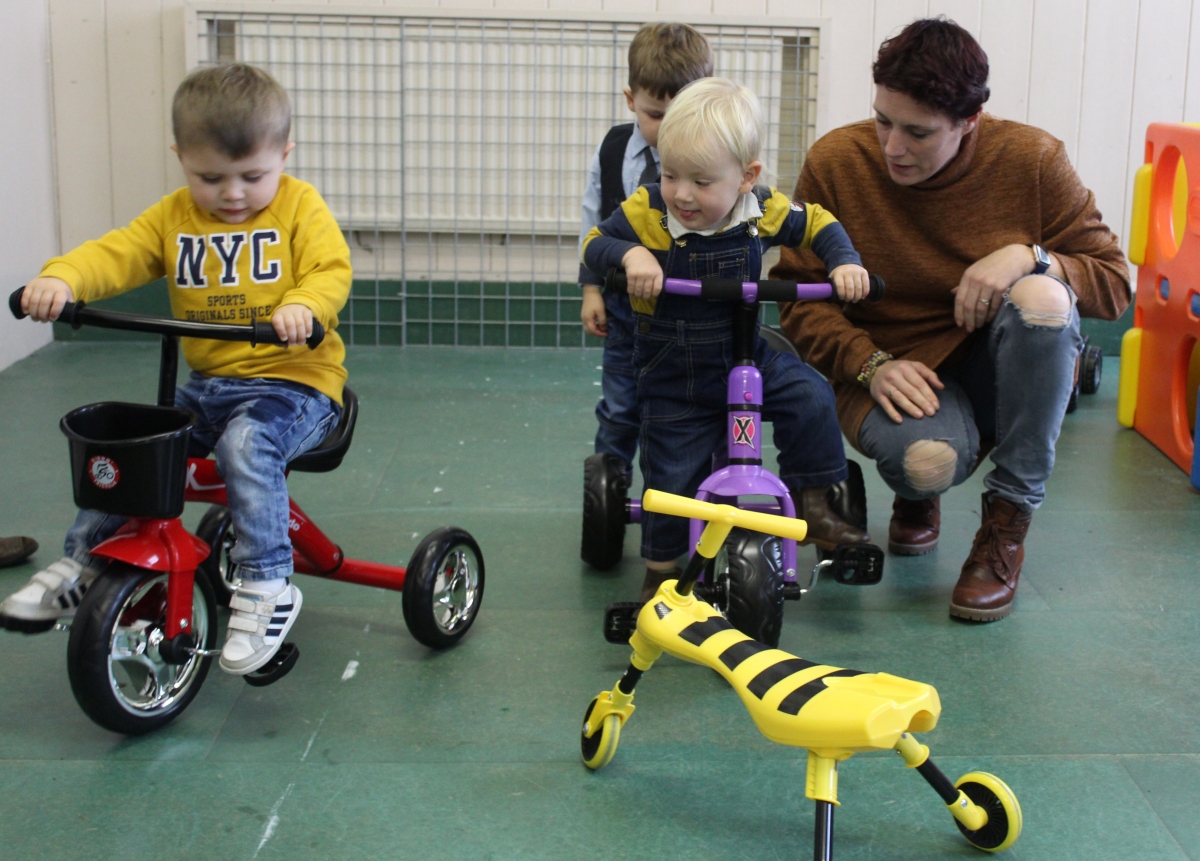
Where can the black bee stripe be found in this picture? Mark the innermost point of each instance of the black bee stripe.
(776, 673)
(738, 652)
(798, 698)
(697, 632)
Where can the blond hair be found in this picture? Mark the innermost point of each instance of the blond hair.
(711, 117)
(234, 108)
(664, 58)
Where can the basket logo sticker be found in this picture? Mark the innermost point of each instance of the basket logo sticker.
(743, 430)
(103, 472)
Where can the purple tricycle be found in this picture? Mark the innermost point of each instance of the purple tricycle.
(755, 573)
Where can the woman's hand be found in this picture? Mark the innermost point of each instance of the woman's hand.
(978, 295)
(642, 273)
(595, 320)
(293, 323)
(908, 385)
(43, 298)
(852, 282)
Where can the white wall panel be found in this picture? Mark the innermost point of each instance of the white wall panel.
(28, 227)
(892, 16)
(1105, 104)
(851, 49)
(1159, 78)
(965, 13)
(1056, 69)
(1006, 33)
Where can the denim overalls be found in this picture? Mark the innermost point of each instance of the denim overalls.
(682, 356)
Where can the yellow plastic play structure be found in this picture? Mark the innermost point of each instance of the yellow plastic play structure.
(832, 712)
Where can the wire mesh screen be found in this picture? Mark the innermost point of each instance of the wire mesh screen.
(454, 152)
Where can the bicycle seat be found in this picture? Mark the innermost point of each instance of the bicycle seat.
(327, 456)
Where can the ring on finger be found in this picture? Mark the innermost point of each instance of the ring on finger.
(985, 301)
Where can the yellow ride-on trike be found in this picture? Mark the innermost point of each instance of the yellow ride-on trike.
(834, 713)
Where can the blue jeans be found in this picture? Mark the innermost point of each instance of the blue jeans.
(682, 368)
(617, 412)
(255, 427)
(1013, 388)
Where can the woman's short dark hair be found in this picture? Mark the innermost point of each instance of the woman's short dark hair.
(939, 64)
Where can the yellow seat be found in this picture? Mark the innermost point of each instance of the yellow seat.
(833, 712)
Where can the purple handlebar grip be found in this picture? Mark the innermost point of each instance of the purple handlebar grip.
(688, 287)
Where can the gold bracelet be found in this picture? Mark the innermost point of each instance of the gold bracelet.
(871, 365)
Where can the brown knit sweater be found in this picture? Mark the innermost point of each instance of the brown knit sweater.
(1010, 183)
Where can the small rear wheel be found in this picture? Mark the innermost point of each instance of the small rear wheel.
(117, 674)
(1004, 811)
(748, 584)
(443, 587)
(216, 530)
(598, 750)
(605, 492)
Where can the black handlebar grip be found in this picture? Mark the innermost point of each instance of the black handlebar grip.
(317, 336)
(14, 304)
(876, 291)
(615, 281)
(264, 333)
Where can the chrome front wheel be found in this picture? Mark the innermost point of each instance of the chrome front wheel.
(443, 587)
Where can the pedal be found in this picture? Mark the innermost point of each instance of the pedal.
(792, 591)
(276, 668)
(857, 564)
(620, 621)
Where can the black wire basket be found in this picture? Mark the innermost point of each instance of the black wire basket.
(129, 459)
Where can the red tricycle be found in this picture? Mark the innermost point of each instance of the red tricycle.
(146, 630)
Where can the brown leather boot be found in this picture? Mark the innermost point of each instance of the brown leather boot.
(985, 589)
(825, 528)
(915, 525)
(654, 579)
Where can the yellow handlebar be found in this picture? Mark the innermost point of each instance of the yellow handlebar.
(681, 506)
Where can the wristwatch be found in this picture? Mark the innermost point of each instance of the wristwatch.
(1041, 259)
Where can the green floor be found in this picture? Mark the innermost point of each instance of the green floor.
(1086, 700)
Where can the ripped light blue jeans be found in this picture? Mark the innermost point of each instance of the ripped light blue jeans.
(1012, 387)
(255, 427)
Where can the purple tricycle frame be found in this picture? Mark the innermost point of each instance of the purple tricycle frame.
(743, 474)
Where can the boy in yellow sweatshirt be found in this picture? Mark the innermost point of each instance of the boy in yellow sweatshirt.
(241, 241)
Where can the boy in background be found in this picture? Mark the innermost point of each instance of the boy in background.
(663, 58)
(242, 240)
(711, 219)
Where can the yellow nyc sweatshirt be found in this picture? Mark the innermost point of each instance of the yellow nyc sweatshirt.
(291, 252)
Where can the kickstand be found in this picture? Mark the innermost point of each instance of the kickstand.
(276, 668)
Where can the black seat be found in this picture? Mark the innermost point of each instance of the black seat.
(328, 455)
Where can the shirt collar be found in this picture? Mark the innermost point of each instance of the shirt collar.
(744, 210)
(637, 143)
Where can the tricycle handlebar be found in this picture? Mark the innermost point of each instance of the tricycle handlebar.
(746, 291)
(79, 314)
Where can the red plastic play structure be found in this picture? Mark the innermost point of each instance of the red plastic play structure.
(1160, 363)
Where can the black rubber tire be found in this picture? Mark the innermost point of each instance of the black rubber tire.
(749, 591)
(1091, 370)
(605, 494)
(1073, 401)
(216, 530)
(427, 566)
(94, 682)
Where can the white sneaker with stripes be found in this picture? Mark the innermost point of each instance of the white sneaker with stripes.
(50, 595)
(258, 624)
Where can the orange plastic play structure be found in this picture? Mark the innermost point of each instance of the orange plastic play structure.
(1160, 362)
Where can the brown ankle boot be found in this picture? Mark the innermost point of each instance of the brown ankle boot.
(915, 526)
(988, 582)
(654, 579)
(825, 528)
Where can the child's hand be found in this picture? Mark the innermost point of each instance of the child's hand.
(642, 272)
(852, 282)
(44, 298)
(293, 323)
(595, 321)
